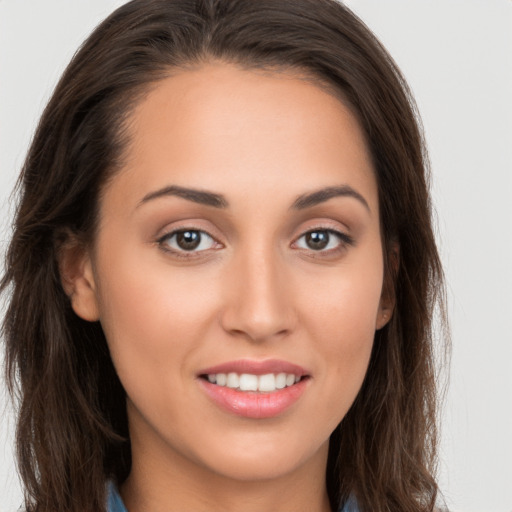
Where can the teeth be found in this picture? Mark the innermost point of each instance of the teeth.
(290, 379)
(249, 382)
(267, 382)
(233, 381)
(281, 380)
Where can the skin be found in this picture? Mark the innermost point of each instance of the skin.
(255, 289)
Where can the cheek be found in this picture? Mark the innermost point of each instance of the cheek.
(152, 318)
(340, 315)
(344, 305)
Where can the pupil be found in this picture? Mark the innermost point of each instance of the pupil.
(188, 240)
(317, 240)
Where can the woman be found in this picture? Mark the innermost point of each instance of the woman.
(223, 271)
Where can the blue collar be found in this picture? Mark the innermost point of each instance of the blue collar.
(114, 501)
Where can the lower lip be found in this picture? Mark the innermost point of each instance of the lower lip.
(251, 404)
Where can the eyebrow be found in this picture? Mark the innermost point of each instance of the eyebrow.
(190, 194)
(320, 196)
(219, 201)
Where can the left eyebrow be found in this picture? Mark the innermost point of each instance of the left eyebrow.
(320, 196)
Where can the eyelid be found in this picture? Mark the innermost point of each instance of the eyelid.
(322, 223)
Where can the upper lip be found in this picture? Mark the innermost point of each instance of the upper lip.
(256, 367)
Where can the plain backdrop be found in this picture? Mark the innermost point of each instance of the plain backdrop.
(457, 57)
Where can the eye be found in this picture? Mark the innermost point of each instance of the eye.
(323, 240)
(187, 240)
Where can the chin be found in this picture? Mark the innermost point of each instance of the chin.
(259, 462)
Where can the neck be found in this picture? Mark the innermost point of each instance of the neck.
(178, 484)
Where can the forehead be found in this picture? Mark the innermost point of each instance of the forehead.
(219, 126)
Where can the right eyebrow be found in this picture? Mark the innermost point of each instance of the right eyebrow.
(190, 194)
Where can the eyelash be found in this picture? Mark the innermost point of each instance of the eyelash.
(344, 241)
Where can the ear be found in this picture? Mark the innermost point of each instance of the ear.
(77, 278)
(388, 297)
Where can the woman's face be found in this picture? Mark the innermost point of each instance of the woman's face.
(239, 247)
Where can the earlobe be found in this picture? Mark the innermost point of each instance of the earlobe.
(78, 282)
(383, 317)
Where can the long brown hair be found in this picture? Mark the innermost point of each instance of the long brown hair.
(72, 430)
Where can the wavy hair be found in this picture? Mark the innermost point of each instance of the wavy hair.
(72, 432)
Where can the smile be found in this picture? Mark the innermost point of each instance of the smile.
(267, 383)
(255, 389)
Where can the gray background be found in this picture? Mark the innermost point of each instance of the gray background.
(457, 56)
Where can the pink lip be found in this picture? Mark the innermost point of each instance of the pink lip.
(253, 404)
(256, 367)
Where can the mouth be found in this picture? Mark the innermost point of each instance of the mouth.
(267, 383)
(255, 389)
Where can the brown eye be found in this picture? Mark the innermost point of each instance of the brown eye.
(323, 240)
(187, 240)
(317, 240)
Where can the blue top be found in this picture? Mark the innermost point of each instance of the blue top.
(115, 503)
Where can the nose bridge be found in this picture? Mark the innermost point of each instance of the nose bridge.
(259, 305)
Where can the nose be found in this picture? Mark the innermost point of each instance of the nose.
(258, 304)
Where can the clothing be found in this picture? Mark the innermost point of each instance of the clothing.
(115, 503)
